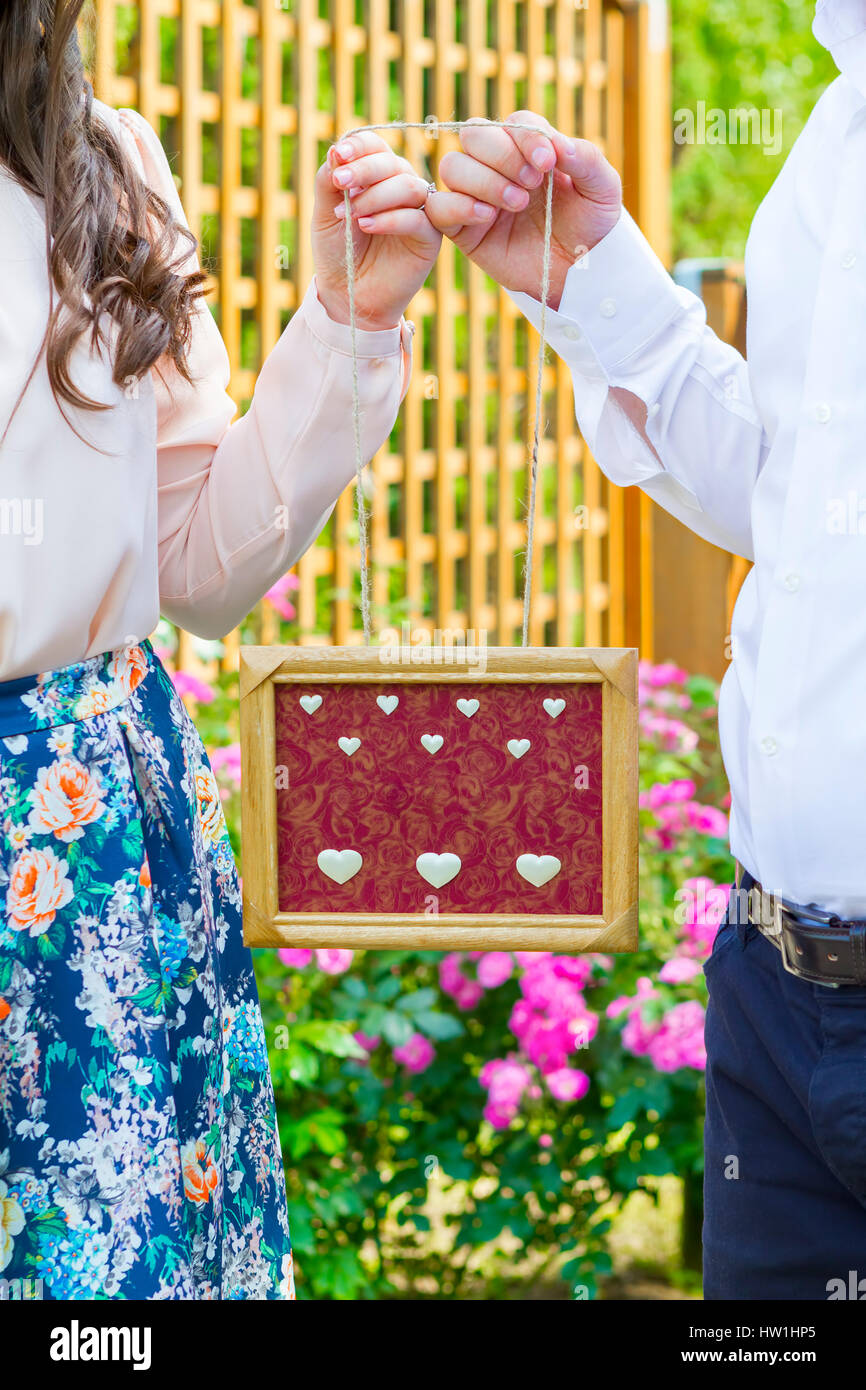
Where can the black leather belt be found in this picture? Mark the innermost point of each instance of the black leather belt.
(816, 945)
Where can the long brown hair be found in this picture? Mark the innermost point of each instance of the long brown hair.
(113, 245)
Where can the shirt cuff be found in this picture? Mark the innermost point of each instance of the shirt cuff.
(380, 342)
(616, 298)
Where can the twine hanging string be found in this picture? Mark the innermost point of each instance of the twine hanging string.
(433, 128)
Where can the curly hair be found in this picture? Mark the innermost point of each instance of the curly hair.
(115, 250)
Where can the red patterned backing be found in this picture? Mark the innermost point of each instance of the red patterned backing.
(392, 800)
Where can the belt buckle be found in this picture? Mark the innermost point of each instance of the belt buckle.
(819, 916)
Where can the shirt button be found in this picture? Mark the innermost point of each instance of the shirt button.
(653, 410)
(607, 308)
(571, 333)
(792, 582)
(769, 746)
(822, 412)
(849, 259)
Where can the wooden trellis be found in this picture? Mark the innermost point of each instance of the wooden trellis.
(246, 98)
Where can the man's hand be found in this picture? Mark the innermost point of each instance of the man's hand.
(395, 243)
(493, 208)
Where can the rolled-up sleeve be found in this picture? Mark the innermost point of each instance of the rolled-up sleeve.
(238, 503)
(623, 325)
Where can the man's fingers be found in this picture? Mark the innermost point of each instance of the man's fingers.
(587, 168)
(465, 173)
(451, 212)
(496, 147)
(537, 150)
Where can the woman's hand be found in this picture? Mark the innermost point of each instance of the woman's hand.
(493, 206)
(395, 242)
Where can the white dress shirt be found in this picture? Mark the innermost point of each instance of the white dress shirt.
(769, 461)
(163, 504)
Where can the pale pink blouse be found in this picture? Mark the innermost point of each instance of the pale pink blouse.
(164, 505)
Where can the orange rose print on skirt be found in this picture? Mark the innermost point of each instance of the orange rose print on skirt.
(200, 1176)
(65, 799)
(38, 888)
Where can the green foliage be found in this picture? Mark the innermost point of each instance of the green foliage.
(729, 54)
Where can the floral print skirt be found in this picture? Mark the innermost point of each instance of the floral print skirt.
(139, 1154)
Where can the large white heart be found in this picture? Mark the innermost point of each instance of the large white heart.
(518, 746)
(468, 707)
(432, 742)
(554, 707)
(339, 864)
(349, 745)
(438, 869)
(538, 869)
(388, 703)
(310, 703)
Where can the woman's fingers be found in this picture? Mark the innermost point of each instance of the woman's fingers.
(400, 191)
(352, 146)
(451, 212)
(466, 173)
(403, 222)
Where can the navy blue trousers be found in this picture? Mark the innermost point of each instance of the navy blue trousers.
(785, 1132)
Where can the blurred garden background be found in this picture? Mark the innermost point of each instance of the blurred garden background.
(502, 1125)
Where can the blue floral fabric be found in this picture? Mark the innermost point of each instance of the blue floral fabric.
(139, 1154)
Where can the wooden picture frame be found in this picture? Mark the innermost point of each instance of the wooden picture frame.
(265, 670)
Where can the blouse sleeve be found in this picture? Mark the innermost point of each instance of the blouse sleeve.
(238, 503)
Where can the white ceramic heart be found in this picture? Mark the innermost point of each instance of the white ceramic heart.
(538, 869)
(310, 703)
(432, 742)
(517, 746)
(468, 707)
(349, 745)
(438, 869)
(339, 864)
(554, 707)
(387, 703)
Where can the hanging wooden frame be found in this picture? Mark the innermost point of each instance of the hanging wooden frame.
(364, 752)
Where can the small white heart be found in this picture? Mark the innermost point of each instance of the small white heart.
(388, 703)
(518, 746)
(349, 745)
(339, 864)
(554, 707)
(538, 869)
(438, 869)
(468, 707)
(310, 703)
(432, 742)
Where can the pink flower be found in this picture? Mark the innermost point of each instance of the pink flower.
(416, 1054)
(679, 969)
(368, 1042)
(494, 968)
(228, 760)
(333, 961)
(567, 1084)
(276, 596)
(295, 960)
(545, 1141)
(679, 1041)
(709, 820)
(185, 684)
(505, 1080)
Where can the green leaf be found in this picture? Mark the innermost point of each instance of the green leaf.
(438, 1025)
(398, 1029)
(330, 1037)
(417, 1002)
